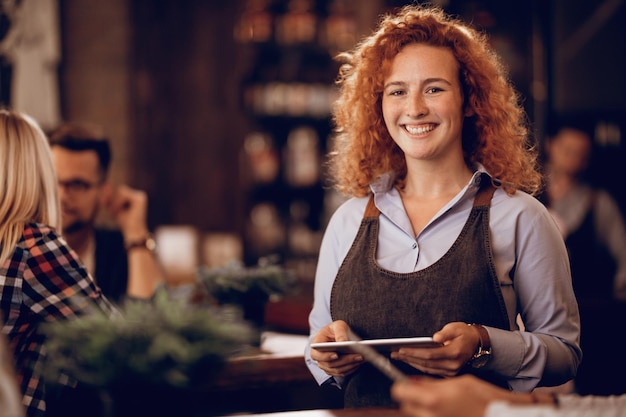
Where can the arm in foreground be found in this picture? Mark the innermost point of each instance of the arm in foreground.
(472, 397)
(465, 395)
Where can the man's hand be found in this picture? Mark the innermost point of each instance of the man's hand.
(129, 208)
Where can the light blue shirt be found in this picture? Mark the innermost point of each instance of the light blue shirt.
(531, 262)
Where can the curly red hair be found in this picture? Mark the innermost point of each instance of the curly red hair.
(496, 134)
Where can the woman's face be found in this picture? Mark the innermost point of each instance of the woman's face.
(423, 103)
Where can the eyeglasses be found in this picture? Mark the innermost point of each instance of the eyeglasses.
(78, 186)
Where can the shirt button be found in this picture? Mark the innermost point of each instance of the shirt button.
(414, 245)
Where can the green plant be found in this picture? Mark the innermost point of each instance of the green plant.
(165, 342)
(235, 283)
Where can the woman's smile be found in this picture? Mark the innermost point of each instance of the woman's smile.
(419, 129)
(422, 99)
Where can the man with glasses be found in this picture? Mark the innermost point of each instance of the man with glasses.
(122, 260)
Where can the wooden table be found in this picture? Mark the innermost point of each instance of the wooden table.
(273, 379)
(361, 412)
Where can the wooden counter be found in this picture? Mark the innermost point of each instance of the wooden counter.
(263, 370)
(279, 360)
(273, 379)
(361, 412)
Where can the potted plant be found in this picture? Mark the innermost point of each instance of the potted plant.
(151, 359)
(249, 288)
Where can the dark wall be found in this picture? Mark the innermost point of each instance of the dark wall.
(187, 121)
(165, 77)
(588, 79)
(589, 56)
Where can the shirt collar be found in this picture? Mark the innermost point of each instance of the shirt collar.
(384, 183)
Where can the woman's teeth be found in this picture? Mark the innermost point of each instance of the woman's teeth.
(419, 129)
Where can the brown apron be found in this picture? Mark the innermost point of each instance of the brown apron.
(377, 303)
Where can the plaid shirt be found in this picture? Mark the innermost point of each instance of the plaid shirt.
(43, 280)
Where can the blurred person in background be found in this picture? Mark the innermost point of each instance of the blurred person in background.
(122, 260)
(592, 225)
(41, 277)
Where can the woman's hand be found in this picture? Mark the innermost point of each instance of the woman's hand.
(460, 342)
(333, 363)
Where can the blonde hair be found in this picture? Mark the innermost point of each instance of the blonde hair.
(28, 182)
(496, 136)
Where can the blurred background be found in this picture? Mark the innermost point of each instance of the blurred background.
(219, 109)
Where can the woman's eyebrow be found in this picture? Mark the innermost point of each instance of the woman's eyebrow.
(394, 84)
(426, 81)
(437, 80)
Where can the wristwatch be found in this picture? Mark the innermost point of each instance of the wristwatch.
(147, 242)
(483, 353)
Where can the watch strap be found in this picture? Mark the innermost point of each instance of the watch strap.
(483, 352)
(147, 242)
(484, 343)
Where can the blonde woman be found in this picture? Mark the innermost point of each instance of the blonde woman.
(41, 278)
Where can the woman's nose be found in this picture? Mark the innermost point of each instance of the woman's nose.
(416, 106)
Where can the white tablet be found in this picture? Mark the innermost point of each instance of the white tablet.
(380, 344)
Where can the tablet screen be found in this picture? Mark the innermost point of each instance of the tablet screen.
(379, 344)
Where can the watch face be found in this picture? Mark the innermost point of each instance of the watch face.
(151, 244)
(481, 360)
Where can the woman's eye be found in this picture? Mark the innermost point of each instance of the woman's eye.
(432, 90)
(396, 92)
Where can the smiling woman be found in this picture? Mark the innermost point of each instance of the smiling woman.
(423, 106)
(432, 146)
